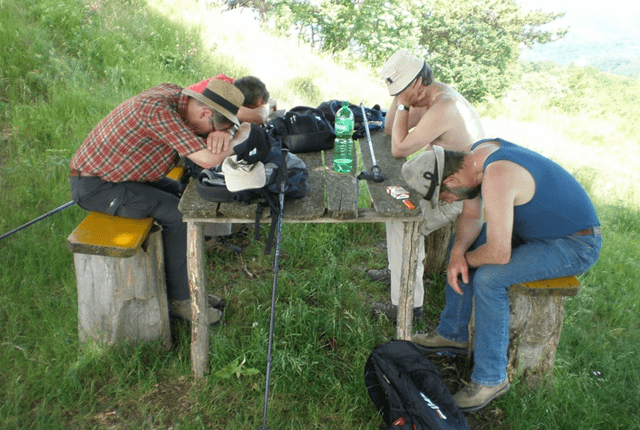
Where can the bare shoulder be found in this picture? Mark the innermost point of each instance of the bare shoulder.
(509, 178)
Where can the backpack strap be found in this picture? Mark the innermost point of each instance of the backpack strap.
(282, 184)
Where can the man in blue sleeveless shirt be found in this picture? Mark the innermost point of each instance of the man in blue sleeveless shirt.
(540, 224)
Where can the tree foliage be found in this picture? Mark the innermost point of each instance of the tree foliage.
(472, 45)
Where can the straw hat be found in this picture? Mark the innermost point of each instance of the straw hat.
(219, 95)
(400, 70)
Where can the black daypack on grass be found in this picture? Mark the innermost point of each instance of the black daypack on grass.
(408, 390)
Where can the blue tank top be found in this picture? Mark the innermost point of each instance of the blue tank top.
(559, 207)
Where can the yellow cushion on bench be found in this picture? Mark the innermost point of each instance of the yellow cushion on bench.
(176, 173)
(113, 236)
(566, 286)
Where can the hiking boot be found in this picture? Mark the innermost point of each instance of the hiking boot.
(433, 342)
(391, 311)
(220, 245)
(383, 275)
(182, 309)
(215, 301)
(474, 396)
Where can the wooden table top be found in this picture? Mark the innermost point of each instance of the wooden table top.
(333, 197)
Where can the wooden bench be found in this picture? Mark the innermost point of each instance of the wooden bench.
(119, 265)
(537, 310)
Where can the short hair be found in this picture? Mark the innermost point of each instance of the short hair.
(426, 74)
(453, 161)
(253, 90)
(216, 116)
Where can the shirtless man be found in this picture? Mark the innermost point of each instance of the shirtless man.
(423, 113)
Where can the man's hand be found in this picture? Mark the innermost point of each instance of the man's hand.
(218, 141)
(411, 95)
(458, 267)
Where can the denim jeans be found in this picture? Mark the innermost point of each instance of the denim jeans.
(531, 260)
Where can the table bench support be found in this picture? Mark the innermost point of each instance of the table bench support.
(410, 238)
(198, 292)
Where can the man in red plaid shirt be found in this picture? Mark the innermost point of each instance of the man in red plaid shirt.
(121, 167)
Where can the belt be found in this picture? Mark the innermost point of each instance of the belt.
(591, 231)
(78, 173)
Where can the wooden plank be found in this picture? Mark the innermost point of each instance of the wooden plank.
(391, 168)
(312, 206)
(193, 206)
(341, 189)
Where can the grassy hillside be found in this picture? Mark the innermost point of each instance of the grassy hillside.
(66, 64)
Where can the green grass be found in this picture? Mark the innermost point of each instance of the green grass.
(66, 64)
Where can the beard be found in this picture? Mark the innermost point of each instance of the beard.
(463, 193)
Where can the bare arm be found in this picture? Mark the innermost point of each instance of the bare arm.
(499, 195)
(221, 145)
(469, 227)
(414, 116)
(433, 122)
(256, 115)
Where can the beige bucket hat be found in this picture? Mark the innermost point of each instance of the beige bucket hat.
(400, 70)
(424, 173)
(240, 175)
(219, 95)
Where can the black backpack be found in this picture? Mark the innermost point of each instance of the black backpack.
(279, 164)
(302, 129)
(408, 390)
(375, 117)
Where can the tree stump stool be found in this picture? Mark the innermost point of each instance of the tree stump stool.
(121, 282)
(537, 310)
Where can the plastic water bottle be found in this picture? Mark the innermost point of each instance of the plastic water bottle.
(343, 147)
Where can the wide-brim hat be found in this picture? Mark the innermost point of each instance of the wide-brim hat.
(239, 175)
(424, 173)
(218, 94)
(400, 70)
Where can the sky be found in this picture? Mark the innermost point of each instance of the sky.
(605, 26)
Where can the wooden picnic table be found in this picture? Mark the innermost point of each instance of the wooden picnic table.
(333, 197)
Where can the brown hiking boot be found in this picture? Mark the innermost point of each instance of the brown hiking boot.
(433, 342)
(391, 311)
(182, 309)
(383, 275)
(474, 396)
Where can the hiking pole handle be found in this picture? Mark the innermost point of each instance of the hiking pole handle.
(368, 133)
(376, 172)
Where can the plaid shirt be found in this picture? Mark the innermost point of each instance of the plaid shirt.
(141, 140)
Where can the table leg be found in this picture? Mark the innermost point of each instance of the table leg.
(410, 237)
(197, 289)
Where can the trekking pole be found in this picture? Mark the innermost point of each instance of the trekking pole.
(376, 173)
(40, 218)
(282, 180)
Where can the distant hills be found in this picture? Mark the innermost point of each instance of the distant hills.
(620, 56)
(602, 35)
